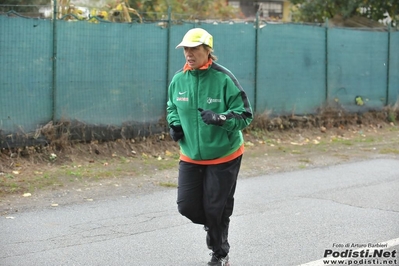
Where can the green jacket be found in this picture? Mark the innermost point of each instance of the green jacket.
(214, 89)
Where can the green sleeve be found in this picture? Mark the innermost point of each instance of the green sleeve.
(239, 114)
(172, 116)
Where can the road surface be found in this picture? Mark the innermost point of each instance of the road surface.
(293, 218)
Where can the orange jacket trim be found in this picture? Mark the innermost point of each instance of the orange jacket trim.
(225, 159)
(206, 66)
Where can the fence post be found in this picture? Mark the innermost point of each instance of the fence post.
(388, 65)
(169, 23)
(54, 61)
(326, 62)
(168, 27)
(256, 62)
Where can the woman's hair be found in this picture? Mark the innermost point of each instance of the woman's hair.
(210, 50)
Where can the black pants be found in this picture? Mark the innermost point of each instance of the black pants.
(205, 195)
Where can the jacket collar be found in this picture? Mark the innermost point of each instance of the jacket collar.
(206, 66)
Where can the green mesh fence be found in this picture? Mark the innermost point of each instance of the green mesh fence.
(291, 69)
(393, 88)
(25, 74)
(111, 74)
(109, 80)
(357, 67)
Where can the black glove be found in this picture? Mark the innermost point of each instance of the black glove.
(210, 117)
(176, 132)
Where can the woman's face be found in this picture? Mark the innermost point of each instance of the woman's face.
(196, 57)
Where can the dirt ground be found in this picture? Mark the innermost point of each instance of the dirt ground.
(81, 172)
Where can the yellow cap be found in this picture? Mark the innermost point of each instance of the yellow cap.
(195, 37)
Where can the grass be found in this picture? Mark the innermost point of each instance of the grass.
(19, 185)
(168, 184)
(59, 172)
(389, 151)
(296, 152)
(48, 177)
(342, 141)
(304, 160)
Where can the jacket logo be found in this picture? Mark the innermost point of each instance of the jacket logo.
(182, 92)
(182, 99)
(210, 100)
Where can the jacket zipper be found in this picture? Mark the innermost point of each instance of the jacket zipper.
(198, 122)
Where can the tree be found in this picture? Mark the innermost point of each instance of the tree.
(377, 10)
(22, 6)
(148, 9)
(187, 9)
(319, 10)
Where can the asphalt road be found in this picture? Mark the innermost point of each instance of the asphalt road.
(281, 219)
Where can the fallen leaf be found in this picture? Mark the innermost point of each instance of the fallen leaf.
(295, 143)
(15, 172)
